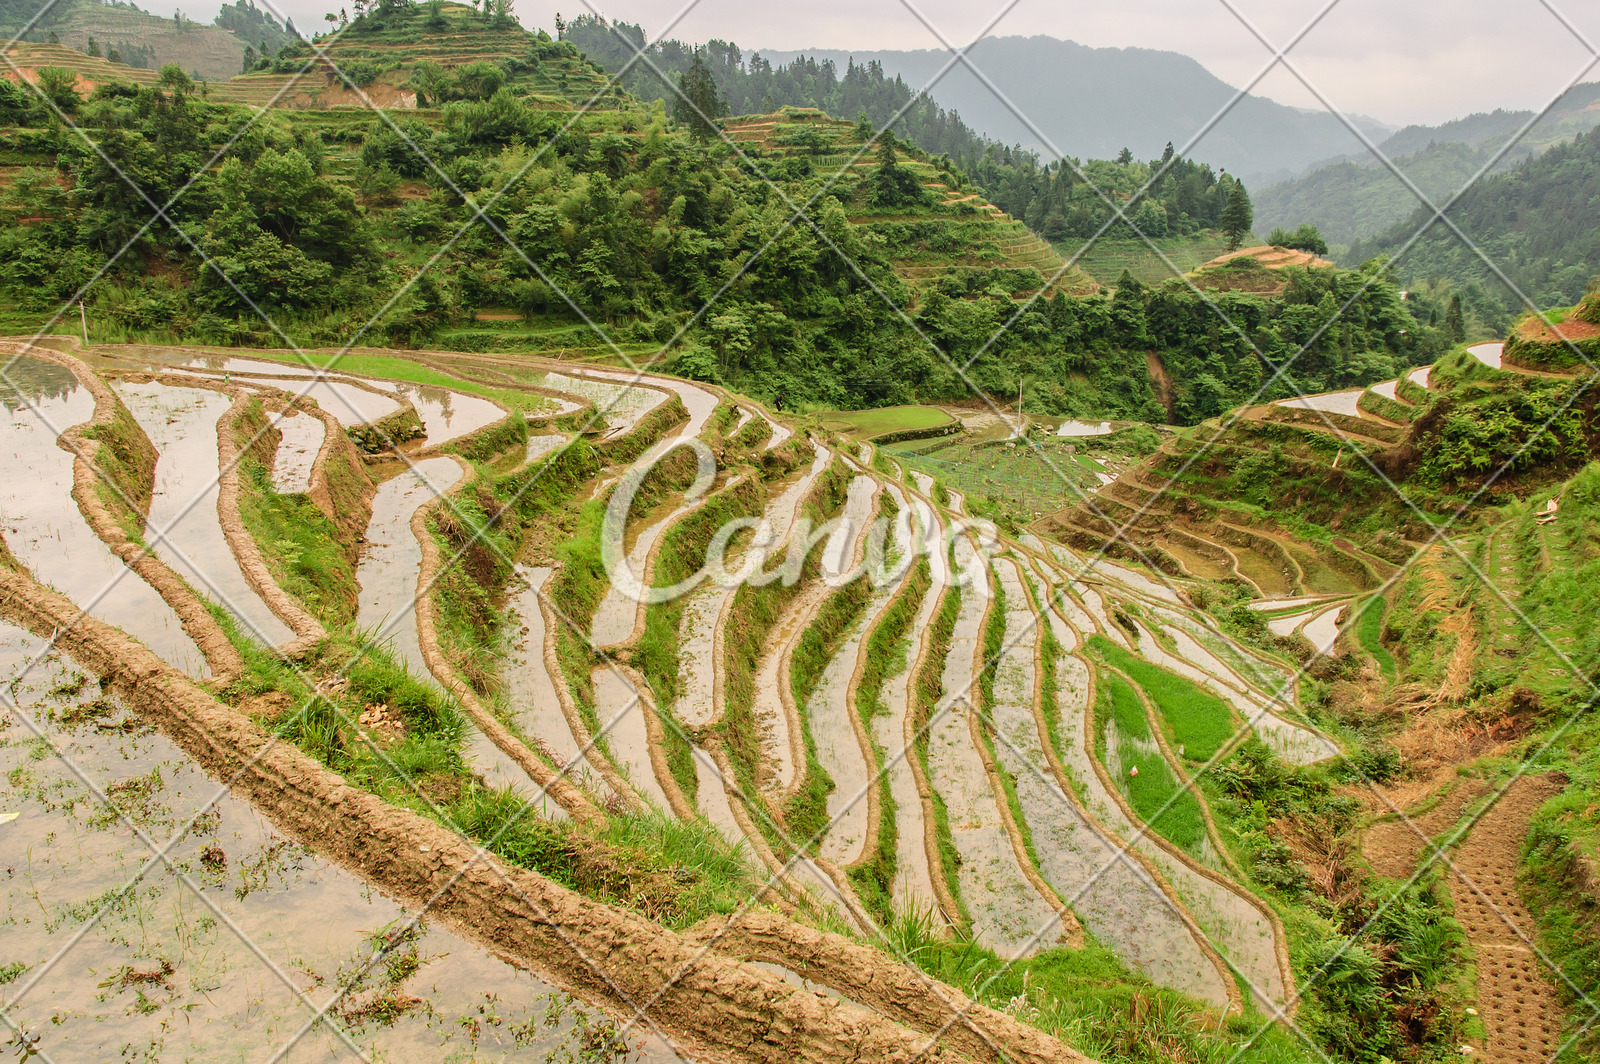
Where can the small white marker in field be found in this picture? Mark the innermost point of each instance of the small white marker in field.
(1134, 771)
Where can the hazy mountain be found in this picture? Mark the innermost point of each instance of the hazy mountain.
(1357, 197)
(1535, 223)
(1093, 102)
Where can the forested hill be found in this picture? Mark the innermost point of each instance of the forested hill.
(1536, 222)
(1051, 198)
(1356, 198)
(622, 218)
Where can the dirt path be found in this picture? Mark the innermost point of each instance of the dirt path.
(1517, 1001)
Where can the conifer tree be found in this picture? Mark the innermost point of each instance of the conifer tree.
(1237, 216)
(698, 102)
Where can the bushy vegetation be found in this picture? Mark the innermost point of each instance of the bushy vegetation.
(1535, 223)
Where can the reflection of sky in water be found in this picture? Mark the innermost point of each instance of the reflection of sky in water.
(33, 379)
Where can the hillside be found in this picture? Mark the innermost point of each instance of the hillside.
(141, 39)
(1357, 197)
(1535, 222)
(1143, 100)
(627, 221)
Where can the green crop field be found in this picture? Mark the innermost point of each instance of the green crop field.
(885, 419)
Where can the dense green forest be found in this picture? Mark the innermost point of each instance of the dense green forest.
(1536, 223)
(625, 220)
(1051, 197)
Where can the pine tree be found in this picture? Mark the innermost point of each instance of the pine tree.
(698, 102)
(93, 48)
(1455, 321)
(1237, 216)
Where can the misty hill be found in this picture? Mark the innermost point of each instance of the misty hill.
(1535, 222)
(1093, 102)
(1357, 197)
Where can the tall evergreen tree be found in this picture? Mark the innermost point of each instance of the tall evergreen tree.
(698, 103)
(1455, 322)
(1237, 216)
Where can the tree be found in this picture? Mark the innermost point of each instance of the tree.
(1237, 216)
(699, 102)
(1124, 157)
(113, 56)
(1455, 322)
(249, 59)
(92, 48)
(1305, 238)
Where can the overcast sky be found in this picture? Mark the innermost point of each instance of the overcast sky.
(1400, 61)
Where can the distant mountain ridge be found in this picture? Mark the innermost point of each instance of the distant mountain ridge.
(1355, 197)
(1142, 98)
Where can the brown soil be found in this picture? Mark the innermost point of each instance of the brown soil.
(1393, 847)
(1517, 1001)
(1272, 257)
(1161, 379)
(715, 1007)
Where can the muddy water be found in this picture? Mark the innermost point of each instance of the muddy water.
(386, 608)
(777, 726)
(448, 415)
(618, 613)
(530, 692)
(1135, 581)
(388, 571)
(313, 923)
(1115, 897)
(1386, 389)
(1285, 603)
(1096, 605)
(184, 528)
(1419, 376)
(1008, 915)
(621, 712)
(1194, 662)
(698, 401)
(43, 528)
(1488, 354)
(1234, 927)
(618, 406)
(923, 482)
(539, 446)
(958, 501)
(1084, 428)
(1286, 624)
(696, 703)
(346, 402)
(829, 710)
(297, 451)
(1323, 629)
(893, 734)
(1331, 402)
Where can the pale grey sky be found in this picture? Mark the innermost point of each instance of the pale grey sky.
(1400, 61)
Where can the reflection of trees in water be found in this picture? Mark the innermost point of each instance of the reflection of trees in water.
(34, 380)
(420, 393)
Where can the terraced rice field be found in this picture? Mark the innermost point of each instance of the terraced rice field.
(853, 711)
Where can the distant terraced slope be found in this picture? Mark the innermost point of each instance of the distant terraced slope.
(957, 228)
